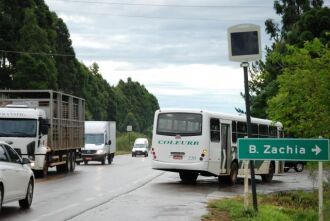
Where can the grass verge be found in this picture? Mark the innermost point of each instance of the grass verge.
(281, 206)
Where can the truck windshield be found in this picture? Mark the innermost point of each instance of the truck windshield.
(18, 127)
(183, 124)
(140, 146)
(96, 139)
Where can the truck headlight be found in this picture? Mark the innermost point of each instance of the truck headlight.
(100, 152)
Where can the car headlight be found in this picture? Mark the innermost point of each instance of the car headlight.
(100, 152)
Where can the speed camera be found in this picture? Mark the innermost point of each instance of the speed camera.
(244, 43)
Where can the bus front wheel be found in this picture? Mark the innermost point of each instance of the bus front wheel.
(188, 176)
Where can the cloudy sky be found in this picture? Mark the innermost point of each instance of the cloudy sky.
(177, 49)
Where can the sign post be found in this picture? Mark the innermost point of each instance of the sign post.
(244, 46)
(129, 130)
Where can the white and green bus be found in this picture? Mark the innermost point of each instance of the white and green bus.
(198, 142)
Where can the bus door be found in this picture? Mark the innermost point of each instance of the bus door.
(215, 147)
(225, 157)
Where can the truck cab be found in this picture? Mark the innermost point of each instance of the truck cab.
(98, 142)
(25, 129)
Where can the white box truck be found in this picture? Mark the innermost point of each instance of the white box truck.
(141, 147)
(100, 141)
(45, 126)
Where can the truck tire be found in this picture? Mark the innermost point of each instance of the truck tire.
(73, 162)
(104, 159)
(110, 158)
(42, 173)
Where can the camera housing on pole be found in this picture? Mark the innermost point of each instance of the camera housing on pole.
(244, 43)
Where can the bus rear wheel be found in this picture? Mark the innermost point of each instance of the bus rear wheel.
(267, 178)
(230, 179)
(188, 176)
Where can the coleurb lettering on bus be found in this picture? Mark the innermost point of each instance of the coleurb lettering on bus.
(179, 142)
(268, 149)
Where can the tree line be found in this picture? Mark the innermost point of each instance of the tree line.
(36, 53)
(293, 84)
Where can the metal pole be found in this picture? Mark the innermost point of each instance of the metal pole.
(129, 139)
(246, 185)
(320, 191)
(248, 120)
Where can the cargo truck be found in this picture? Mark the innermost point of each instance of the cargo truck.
(100, 141)
(44, 126)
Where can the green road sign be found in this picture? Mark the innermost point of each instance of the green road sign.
(283, 149)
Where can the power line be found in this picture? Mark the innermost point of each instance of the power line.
(223, 20)
(38, 53)
(165, 5)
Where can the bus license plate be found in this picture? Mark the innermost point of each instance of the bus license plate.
(177, 157)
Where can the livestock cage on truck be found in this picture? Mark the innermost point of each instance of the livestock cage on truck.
(57, 121)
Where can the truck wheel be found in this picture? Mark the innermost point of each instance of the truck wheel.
(299, 167)
(267, 178)
(286, 169)
(42, 173)
(73, 162)
(104, 159)
(110, 158)
(85, 162)
(69, 161)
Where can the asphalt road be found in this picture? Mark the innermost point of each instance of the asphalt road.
(130, 190)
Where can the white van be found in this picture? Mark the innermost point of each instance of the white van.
(141, 147)
(100, 141)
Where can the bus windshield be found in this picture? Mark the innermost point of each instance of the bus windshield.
(183, 124)
(18, 127)
(96, 139)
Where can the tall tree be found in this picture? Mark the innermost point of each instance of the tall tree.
(298, 18)
(35, 69)
(302, 103)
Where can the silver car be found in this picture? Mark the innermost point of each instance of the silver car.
(16, 178)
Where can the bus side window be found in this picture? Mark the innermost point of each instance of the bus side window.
(272, 131)
(255, 131)
(215, 130)
(241, 129)
(263, 131)
(234, 132)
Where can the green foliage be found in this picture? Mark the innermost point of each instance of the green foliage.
(304, 90)
(301, 21)
(39, 55)
(135, 106)
(291, 206)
